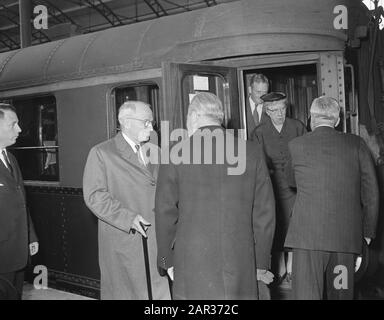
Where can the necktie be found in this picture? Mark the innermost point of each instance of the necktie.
(139, 157)
(8, 164)
(256, 116)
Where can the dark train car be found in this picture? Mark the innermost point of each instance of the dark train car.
(67, 93)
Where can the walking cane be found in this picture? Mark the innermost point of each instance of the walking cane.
(170, 286)
(146, 262)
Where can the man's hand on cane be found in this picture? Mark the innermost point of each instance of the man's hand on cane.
(359, 259)
(137, 225)
(170, 273)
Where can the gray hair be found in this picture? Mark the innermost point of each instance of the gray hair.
(6, 107)
(325, 110)
(268, 104)
(128, 108)
(258, 78)
(208, 105)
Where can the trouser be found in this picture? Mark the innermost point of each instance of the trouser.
(320, 275)
(264, 293)
(12, 285)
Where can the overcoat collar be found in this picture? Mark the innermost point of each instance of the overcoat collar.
(128, 154)
(324, 129)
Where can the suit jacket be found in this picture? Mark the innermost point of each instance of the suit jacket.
(214, 228)
(116, 188)
(16, 228)
(251, 124)
(337, 193)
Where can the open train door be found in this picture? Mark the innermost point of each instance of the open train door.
(182, 81)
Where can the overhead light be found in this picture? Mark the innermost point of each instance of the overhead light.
(370, 4)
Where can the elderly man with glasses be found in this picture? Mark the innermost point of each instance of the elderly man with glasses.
(119, 188)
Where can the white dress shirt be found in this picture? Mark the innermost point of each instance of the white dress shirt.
(2, 158)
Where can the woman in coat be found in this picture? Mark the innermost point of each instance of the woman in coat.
(274, 135)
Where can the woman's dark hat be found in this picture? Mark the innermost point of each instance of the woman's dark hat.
(273, 96)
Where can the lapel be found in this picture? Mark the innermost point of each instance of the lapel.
(5, 171)
(264, 117)
(251, 125)
(129, 155)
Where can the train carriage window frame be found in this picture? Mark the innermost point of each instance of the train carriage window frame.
(213, 86)
(318, 58)
(153, 99)
(37, 147)
(176, 97)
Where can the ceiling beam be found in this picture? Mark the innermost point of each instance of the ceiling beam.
(155, 11)
(105, 11)
(177, 5)
(7, 41)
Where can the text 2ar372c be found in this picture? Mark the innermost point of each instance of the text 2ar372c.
(193, 309)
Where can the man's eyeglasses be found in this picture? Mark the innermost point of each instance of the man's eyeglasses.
(147, 123)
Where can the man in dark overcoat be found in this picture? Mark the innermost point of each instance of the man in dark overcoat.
(17, 236)
(336, 206)
(215, 218)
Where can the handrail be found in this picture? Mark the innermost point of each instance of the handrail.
(31, 148)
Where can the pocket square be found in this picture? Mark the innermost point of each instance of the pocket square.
(1, 185)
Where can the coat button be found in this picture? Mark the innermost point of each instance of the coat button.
(153, 183)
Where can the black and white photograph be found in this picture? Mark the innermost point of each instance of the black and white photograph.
(204, 151)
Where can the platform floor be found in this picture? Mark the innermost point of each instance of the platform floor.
(30, 293)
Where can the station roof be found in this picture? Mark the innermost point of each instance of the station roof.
(70, 17)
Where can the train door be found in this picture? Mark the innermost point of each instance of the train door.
(298, 82)
(303, 77)
(182, 81)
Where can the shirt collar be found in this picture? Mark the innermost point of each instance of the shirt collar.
(325, 125)
(130, 142)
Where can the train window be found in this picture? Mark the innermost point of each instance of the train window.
(182, 81)
(197, 82)
(36, 149)
(148, 93)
